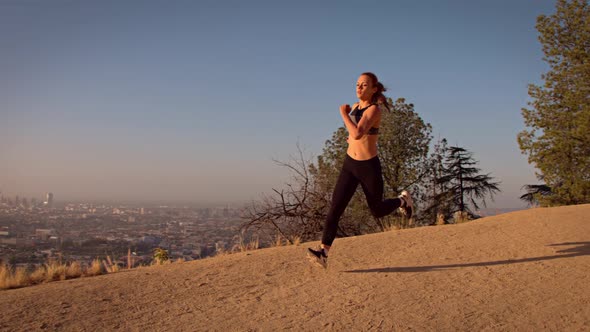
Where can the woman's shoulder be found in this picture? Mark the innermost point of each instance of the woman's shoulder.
(374, 108)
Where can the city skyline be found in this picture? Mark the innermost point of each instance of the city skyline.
(191, 102)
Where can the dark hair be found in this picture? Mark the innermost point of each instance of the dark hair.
(378, 97)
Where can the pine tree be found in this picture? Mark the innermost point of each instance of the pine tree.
(534, 193)
(557, 140)
(438, 194)
(463, 184)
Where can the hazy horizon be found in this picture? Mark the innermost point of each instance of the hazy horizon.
(192, 101)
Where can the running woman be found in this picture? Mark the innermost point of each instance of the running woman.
(361, 165)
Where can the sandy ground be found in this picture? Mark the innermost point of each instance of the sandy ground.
(523, 271)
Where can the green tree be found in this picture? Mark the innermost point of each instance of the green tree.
(160, 255)
(462, 183)
(438, 196)
(557, 139)
(403, 148)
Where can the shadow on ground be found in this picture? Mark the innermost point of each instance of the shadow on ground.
(580, 249)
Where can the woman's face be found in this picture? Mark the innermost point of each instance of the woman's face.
(365, 88)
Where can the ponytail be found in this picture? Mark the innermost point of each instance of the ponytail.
(378, 97)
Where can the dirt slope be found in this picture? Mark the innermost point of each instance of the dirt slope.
(522, 271)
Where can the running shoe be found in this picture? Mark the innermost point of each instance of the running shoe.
(407, 207)
(318, 257)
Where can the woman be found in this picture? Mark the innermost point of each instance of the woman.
(361, 165)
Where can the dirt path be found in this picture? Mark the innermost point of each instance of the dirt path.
(523, 271)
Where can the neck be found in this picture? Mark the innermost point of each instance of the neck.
(364, 103)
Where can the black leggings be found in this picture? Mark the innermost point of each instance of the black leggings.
(368, 173)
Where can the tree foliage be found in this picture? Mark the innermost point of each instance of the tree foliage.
(463, 184)
(438, 200)
(557, 139)
(534, 193)
(160, 255)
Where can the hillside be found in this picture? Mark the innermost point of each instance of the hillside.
(525, 270)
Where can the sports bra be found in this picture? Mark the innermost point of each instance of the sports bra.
(356, 116)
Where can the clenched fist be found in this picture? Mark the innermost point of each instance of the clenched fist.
(344, 109)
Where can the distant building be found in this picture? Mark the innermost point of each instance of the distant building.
(48, 200)
(43, 234)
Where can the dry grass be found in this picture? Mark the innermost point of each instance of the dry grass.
(156, 262)
(391, 227)
(110, 266)
(461, 217)
(129, 259)
(4, 276)
(10, 278)
(440, 219)
(241, 246)
(296, 240)
(220, 251)
(278, 241)
(74, 270)
(253, 244)
(38, 275)
(55, 271)
(51, 271)
(94, 269)
(20, 277)
(396, 223)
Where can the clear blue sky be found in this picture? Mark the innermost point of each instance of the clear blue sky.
(191, 100)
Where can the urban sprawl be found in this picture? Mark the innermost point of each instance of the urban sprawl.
(33, 232)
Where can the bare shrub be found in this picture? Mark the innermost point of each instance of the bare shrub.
(297, 210)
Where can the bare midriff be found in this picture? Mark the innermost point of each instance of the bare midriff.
(364, 148)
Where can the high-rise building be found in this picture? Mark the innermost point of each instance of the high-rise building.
(48, 200)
